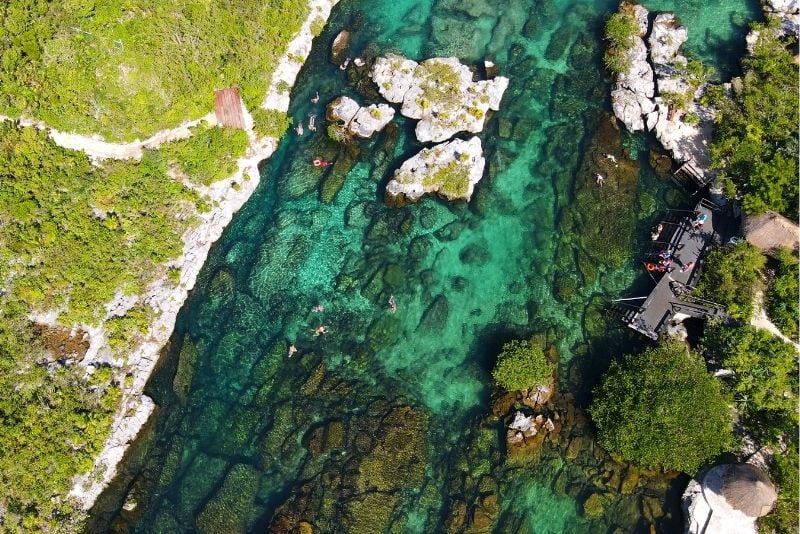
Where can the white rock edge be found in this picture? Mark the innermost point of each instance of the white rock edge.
(167, 299)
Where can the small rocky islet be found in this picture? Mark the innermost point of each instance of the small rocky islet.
(441, 94)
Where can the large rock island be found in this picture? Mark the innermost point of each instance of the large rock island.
(440, 93)
(450, 169)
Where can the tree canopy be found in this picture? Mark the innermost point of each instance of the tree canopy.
(128, 68)
(755, 142)
(661, 408)
(781, 298)
(522, 365)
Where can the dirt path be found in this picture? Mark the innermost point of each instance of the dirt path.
(760, 320)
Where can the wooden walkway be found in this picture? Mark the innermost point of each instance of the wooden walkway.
(671, 299)
(228, 108)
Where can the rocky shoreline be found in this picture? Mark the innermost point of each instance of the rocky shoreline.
(228, 196)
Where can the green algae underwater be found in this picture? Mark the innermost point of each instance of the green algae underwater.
(388, 423)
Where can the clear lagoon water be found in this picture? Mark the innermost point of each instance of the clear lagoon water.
(386, 423)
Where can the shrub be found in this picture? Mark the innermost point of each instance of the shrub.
(620, 30)
(691, 118)
(661, 408)
(270, 122)
(338, 133)
(731, 278)
(781, 296)
(317, 25)
(679, 101)
(522, 365)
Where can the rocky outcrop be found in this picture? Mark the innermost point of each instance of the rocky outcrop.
(686, 139)
(786, 11)
(357, 120)
(632, 97)
(449, 169)
(657, 93)
(527, 426)
(440, 93)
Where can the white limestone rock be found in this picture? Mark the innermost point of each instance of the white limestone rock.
(666, 39)
(631, 98)
(343, 109)
(440, 93)
(449, 169)
(371, 119)
(357, 120)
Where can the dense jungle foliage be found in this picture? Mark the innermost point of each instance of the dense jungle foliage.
(764, 383)
(781, 299)
(755, 144)
(732, 277)
(126, 69)
(72, 235)
(661, 408)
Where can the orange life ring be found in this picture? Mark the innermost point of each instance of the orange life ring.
(317, 163)
(650, 266)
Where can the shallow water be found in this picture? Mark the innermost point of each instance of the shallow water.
(383, 421)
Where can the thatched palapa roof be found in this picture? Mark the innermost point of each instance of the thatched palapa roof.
(771, 231)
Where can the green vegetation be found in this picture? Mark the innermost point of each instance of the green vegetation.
(317, 25)
(784, 518)
(452, 179)
(338, 133)
(755, 145)
(127, 68)
(661, 408)
(731, 277)
(782, 294)
(270, 122)
(678, 101)
(522, 365)
(440, 84)
(73, 235)
(210, 154)
(620, 30)
(764, 383)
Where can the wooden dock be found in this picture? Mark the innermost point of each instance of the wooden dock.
(228, 108)
(671, 299)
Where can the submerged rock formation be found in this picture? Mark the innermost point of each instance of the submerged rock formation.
(450, 169)
(440, 92)
(357, 120)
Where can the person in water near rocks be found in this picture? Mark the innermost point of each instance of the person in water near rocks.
(320, 330)
(599, 180)
(321, 163)
(612, 158)
(315, 98)
(319, 308)
(299, 128)
(312, 127)
(292, 350)
(392, 304)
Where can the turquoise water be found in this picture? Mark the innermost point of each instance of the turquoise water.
(385, 423)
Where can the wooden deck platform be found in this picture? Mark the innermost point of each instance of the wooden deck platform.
(671, 300)
(228, 108)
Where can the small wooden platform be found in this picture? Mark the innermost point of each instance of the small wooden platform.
(671, 299)
(228, 108)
